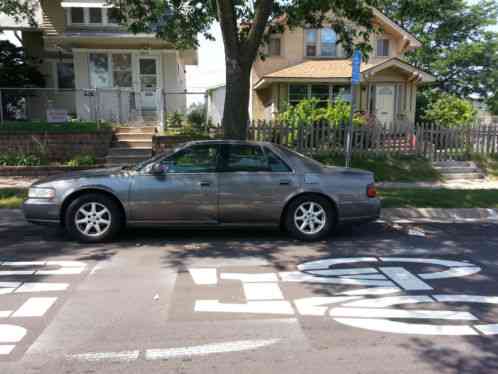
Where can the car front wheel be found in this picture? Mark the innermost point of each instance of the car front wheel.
(310, 218)
(93, 218)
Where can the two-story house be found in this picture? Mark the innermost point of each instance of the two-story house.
(82, 48)
(305, 63)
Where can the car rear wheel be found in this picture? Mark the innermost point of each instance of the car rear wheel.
(310, 218)
(93, 218)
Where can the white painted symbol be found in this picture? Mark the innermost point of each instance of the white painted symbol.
(175, 352)
(33, 307)
(378, 313)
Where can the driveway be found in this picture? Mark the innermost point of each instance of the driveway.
(417, 299)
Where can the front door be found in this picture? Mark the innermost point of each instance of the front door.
(384, 103)
(186, 193)
(148, 70)
(254, 185)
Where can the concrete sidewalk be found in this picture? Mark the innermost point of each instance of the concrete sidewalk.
(16, 182)
(438, 215)
(482, 184)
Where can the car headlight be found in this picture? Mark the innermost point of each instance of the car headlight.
(41, 193)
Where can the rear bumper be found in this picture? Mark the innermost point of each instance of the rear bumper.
(41, 211)
(364, 211)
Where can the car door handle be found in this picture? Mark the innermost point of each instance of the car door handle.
(285, 182)
(204, 183)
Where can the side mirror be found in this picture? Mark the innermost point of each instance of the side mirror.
(158, 169)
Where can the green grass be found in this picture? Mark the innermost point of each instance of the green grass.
(389, 169)
(70, 127)
(438, 198)
(12, 198)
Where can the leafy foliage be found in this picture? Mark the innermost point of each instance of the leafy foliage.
(44, 127)
(450, 111)
(309, 111)
(196, 115)
(82, 160)
(20, 10)
(16, 70)
(21, 160)
(457, 44)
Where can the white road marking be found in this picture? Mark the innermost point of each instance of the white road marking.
(124, 356)
(491, 329)
(365, 276)
(467, 299)
(10, 284)
(204, 276)
(250, 278)
(432, 261)
(23, 263)
(372, 291)
(262, 291)
(61, 271)
(339, 272)
(6, 273)
(384, 325)
(383, 302)
(314, 306)
(206, 349)
(42, 287)
(6, 349)
(451, 273)
(254, 307)
(400, 313)
(405, 279)
(35, 307)
(297, 276)
(67, 264)
(5, 313)
(11, 333)
(325, 264)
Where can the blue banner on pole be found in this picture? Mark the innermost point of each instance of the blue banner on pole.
(355, 78)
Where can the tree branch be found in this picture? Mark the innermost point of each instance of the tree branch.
(228, 24)
(263, 9)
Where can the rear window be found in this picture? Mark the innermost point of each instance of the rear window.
(307, 162)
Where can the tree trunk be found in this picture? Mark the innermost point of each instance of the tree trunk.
(236, 110)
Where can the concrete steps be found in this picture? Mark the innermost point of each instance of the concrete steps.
(458, 170)
(131, 145)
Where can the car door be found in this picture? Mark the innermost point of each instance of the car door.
(254, 184)
(186, 193)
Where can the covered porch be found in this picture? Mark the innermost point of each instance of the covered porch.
(387, 91)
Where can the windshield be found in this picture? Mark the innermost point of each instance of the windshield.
(147, 163)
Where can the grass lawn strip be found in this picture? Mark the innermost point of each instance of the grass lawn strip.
(12, 198)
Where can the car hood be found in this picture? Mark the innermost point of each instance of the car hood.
(92, 173)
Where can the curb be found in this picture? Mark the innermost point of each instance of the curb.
(438, 215)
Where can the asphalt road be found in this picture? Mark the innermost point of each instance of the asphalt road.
(191, 301)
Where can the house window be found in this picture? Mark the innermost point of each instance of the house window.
(342, 92)
(99, 70)
(297, 92)
(311, 42)
(112, 16)
(121, 69)
(321, 92)
(383, 48)
(95, 15)
(77, 15)
(65, 75)
(328, 40)
(274, 47)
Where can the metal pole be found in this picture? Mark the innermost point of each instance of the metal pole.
(349, 140)
(1, 108)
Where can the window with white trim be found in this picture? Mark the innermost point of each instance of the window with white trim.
(76, 15)
(325, 93)
(321, 42)
(92, 16)
(383, 47)
(65, 75)
(111, 70)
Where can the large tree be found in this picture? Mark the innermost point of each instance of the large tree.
(245, 25)
(19, 10)
(458, 46)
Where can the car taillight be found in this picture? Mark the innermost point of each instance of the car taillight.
(371, 190)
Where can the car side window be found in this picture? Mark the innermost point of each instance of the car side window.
(275, 163)
(195, 159)
(245, 157)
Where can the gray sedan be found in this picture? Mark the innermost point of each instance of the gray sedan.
(220, 183)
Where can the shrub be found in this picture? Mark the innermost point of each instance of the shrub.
(175, 119)
(196, 116)
(450, 111)
(21, 160)
(82, 160)
(309, 111)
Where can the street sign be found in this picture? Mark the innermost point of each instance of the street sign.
(355, 79)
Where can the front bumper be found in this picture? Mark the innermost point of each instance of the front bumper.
(41, 211)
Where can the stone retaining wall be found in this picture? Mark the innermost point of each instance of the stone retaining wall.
(58, 147)
(40, 171)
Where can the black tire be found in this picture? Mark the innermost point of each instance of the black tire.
(114, 217)
(330, 218)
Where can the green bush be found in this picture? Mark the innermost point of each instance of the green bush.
(44, 127)
(310, 111)
(196, 116)
(450, 111)
(21, 160)
(175, 119)
(82, 160)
